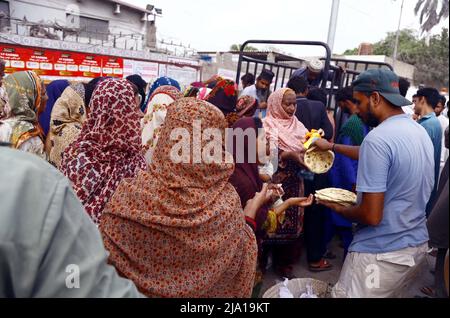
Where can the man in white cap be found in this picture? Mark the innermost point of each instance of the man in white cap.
(313, 72)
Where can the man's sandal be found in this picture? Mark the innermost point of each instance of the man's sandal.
(323, 266)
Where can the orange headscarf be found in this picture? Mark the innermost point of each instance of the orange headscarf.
(178, 230)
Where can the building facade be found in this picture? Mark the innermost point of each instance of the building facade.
(82, 39)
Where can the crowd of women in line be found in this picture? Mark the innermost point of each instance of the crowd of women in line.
(173, 229)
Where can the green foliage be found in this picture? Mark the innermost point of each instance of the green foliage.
(431, 61)
(351, 51)
(431, 12)
(248, 48)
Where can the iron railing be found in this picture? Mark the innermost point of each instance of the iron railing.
(330, 84)
(120, 40)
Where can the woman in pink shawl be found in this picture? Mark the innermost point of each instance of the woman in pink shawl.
(285, 131)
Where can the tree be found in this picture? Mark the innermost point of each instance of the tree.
(351, 51)
(409, 46)
(431, 61)
(429, 13)
(248, 48)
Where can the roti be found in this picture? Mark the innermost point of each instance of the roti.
(336, 195)
(318, 161)
(328, 199)
(345, 204)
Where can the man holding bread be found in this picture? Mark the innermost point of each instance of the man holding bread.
(394, 182)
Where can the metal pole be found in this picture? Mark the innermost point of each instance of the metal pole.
(333, 23)
(394, 56)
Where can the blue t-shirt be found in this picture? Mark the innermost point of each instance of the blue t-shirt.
(395, 158)
(434, 130)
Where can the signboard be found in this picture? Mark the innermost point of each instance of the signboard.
(182, 71)
(184, 75)
(162, 70)
(112, 66)
(50, 63)
(147, 70)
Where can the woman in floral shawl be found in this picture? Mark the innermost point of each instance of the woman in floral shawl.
(154, 117)
(224, 97)
(162, 81)
(178, 229)
(108, 148)
(23, 99)
(67, 118)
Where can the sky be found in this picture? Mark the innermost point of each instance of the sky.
(214, 25)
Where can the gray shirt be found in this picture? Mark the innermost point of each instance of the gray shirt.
(49, 247)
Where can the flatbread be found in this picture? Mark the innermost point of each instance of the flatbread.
(336, 195)
(318, 161)
(328, 199)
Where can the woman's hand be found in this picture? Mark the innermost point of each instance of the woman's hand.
(302, 201)
(253, 205)
(296, 156)
(277, 191)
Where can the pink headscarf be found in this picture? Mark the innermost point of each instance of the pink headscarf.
(289, 131)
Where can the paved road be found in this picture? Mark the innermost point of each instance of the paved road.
(425, 278)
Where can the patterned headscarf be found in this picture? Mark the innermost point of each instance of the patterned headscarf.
(24, 91)
(209, 83)
(178, 230)
(90, 88)
(108, 147)
(154, 117)
(5, 109)
(68, 116)
(191, 91)
(224, 96)
(246, 106)
(288, 130)
(162, 81)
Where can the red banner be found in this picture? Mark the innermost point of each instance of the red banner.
(59, 63)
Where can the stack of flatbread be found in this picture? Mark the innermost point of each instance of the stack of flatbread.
(318, 161)
(335, 195)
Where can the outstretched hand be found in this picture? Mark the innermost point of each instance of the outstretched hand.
(302, 201)
(253, 205)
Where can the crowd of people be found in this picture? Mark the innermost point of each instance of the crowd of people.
(89, 184)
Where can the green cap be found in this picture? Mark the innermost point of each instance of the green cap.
(383, 81)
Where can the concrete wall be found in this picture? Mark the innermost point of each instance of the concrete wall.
(400, 68)
(225, 64)
(51, 11)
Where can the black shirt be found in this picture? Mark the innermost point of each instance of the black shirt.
(313, 114)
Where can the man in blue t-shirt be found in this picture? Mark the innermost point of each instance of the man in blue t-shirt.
(427, 99)
(394, 182)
